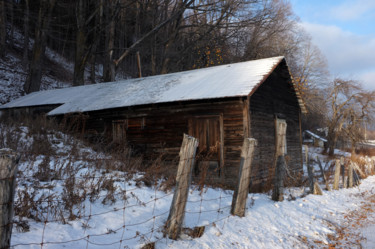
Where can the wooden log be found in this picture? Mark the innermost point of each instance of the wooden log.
(337, 175)
(278, 189)
(317, 189)
(358, 169)
(323, 175)
(242, 190)
(350, 175)
(183, 179)
(8, 169)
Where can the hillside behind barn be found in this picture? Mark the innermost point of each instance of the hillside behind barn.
(178, 124)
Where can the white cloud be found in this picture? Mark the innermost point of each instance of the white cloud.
(352, 10)
(368, 80)
(348, 54)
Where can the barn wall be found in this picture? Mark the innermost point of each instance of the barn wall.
(21, 112)
(164, 125)
(274, 98)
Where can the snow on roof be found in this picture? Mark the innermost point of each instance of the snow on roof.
(316, 136)
(231, 80)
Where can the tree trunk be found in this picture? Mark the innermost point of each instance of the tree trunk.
(109, 66)
(80, 50)
(80, 59)
(10, 12)
(25, 59)
(34, 77)
(3, 31)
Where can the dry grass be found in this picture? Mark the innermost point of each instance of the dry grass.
(38, 141)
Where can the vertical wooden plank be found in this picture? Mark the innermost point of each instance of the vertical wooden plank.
(221, 120)
(185, 166)
(246, 119)
(337, 175)
(278, 188)
(8, 169)
(280, 137)
(242, 190)
(280, 152)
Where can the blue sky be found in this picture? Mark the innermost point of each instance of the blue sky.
(344, 30)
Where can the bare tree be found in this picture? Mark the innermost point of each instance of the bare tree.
(34, 77)
(361, 113)
(26, 28)
(3, 33)
(349, 105)
(108, 65)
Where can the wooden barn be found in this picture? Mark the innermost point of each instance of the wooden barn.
(219, 105)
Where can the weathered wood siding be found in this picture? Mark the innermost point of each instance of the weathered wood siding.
(159, 129)
(275, 98)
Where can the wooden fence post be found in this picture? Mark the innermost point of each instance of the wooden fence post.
(350, 175)
(185, 166)
(242, 190)
(310, 172)
(337, 175)
(8, 169)
(314, 186)
(342, 162)
(278, 188)
(323, 175)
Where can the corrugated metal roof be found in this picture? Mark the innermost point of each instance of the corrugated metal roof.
(231, 80)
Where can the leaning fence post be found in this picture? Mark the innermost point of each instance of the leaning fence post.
(185, 166)
(242, 190)
(356, 167)
(8, 169)
(337, 175)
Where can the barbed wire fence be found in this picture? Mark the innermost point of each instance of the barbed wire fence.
(200, 210)
(146, 220)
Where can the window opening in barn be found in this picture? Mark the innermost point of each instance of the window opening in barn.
(119, 130)
(281, 145)
(122, 127)
(135, 123)
(207, 130)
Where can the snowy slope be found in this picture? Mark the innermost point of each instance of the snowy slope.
(128, 214)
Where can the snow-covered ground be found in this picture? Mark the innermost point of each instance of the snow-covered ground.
(296, 223)
(75, 197)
